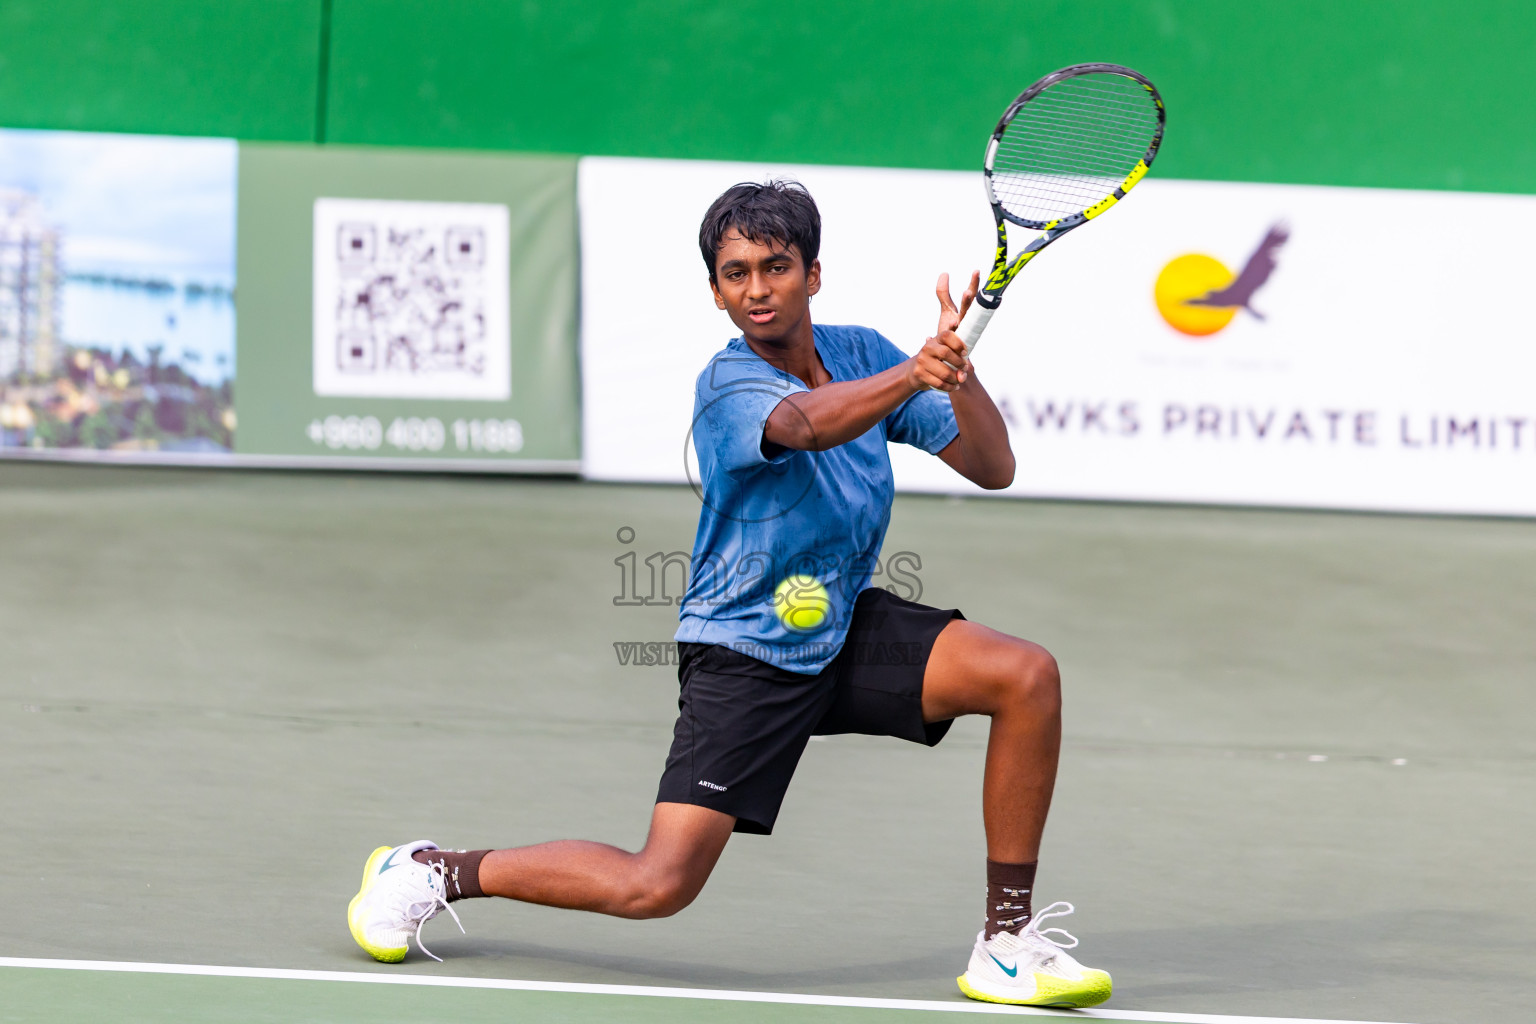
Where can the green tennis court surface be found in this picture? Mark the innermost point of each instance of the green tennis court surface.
(157, 992)
(1297, 779)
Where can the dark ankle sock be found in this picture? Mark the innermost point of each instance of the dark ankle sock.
(1008, 896)
(461, 870)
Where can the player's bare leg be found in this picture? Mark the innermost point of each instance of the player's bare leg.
(406, 886)
(974, 670)
(666, 874)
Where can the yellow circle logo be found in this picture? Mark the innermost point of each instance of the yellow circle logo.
(1198, 295)
(1193, 276)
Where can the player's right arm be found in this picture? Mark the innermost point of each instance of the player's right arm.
(838, 412)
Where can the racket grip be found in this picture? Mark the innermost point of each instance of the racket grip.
(975, 322)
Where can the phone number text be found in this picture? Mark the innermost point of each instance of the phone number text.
(415, 434)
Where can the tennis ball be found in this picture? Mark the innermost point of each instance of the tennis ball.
(802, 604)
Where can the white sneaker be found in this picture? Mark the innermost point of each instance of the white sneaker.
(1033, 969)
(398, 897)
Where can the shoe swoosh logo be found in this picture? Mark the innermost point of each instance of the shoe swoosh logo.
(387, 865)
(1012, 972)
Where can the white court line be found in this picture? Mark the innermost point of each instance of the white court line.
(860, 1002)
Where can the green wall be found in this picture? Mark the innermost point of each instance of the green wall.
(1404, 94)
(246, 68)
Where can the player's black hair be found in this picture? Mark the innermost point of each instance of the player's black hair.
(775, 211)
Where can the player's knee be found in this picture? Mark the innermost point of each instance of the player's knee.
(662, 894)
(1034, 680)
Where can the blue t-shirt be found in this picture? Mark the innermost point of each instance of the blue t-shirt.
(822, 514)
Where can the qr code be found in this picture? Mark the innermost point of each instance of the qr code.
(411, 300)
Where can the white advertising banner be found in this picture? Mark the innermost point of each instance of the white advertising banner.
(1201, 342)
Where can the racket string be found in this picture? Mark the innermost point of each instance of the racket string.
(1072, 145)
(1107, 147)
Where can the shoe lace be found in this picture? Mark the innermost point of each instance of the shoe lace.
(423, 902)
(1034, 929)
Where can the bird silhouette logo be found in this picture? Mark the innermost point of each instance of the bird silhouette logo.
(1197, 295)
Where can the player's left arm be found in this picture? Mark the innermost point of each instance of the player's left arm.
(981, 453)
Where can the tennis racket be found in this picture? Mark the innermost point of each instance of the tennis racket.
(1070, 147)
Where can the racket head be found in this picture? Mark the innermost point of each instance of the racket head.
(1072, 145)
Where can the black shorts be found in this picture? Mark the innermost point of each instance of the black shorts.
(742, 723)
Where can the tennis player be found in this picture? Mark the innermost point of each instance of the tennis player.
(792, 420)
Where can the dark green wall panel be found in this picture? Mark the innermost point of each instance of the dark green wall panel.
(1415, 93)
(247, 68)
(1408, 94)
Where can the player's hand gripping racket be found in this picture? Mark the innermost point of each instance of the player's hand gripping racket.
(1070, 147)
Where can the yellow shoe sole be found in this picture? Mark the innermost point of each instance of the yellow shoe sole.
(1093, 989)
(379, 953)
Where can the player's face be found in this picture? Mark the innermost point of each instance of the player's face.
(765, 287)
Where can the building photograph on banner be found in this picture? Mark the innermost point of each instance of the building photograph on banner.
(1204, 342)
(117, 295)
